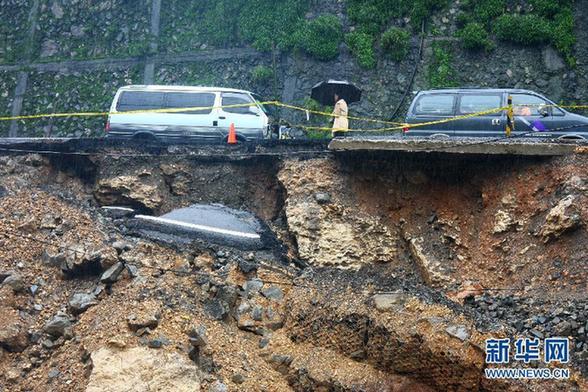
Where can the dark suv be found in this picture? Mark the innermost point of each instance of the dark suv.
(535, 115)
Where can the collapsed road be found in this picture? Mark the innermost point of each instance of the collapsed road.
(386, 271)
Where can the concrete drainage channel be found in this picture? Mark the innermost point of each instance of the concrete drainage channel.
(344, 272)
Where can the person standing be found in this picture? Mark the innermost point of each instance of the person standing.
(340, 112)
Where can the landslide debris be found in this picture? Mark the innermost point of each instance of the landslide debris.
(81, 290)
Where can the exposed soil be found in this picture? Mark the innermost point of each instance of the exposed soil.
(379, 305)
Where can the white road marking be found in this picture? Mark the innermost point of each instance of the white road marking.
(209, 229)
(119, 209)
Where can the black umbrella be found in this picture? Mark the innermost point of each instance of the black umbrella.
(324, 92)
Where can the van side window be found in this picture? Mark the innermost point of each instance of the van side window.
(471, 103)
(190, 100)
(139, 100)
(237, 99)
(527, 105)
(441, 104)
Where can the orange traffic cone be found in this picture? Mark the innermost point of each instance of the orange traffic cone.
(232, 139)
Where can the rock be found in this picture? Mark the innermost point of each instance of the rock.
(106, 256)
(52, 259)
(112, 274)
(247, 266)
(341, 235)
(53, 373)
(80, 302)
(146, 316)
(5, 274)
(273, 292)
(238, 378)
(217, 309)
(281, 363)
(57, 326)
(56, 10)
(387, 302)
(562, 218)
(15, 282)
(322, 197)
(34, 289)
(141, 369)
(77, 261)
(252, 287)
(13, 333)
(552, 59)
(264, 341)
(49, 48)
(503, 222)
(122, 246)
(198, 336)
(128, 189)
(158, 342)
(257, 313)
(218, 386)
(458, 331)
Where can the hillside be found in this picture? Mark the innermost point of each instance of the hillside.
(71, 56)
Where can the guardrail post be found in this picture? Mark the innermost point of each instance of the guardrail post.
(509, 117)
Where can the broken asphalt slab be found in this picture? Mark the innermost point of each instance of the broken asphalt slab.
(209, 222)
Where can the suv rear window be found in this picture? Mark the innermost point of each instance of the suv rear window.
(139, 100)
(470, 103)
(440, 104)
(190, 100)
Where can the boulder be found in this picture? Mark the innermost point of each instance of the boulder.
(80, 302)
(273, 292)
(141, 369)
(562, 218)
(13, 333)
(389, 301)
(124, 190)
(58, 325)
(112, 274)
(15, 282)
(147, 315)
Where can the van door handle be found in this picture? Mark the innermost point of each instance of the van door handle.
(222, 118)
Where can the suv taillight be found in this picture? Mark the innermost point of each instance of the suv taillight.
(107, 128)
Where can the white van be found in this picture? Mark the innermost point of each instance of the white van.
(210, 123)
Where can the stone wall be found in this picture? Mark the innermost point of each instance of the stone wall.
(77, 53)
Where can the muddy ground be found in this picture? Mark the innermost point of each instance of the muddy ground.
(387, 272)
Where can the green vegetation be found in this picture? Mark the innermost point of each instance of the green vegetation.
(440, 72)
(320, 37)
(395, 42)
(473, 36)
(539, 22)
(522, 29)
(483, 11)
(562, 34)
(362, 47)
(371, 16)
(262, 74)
